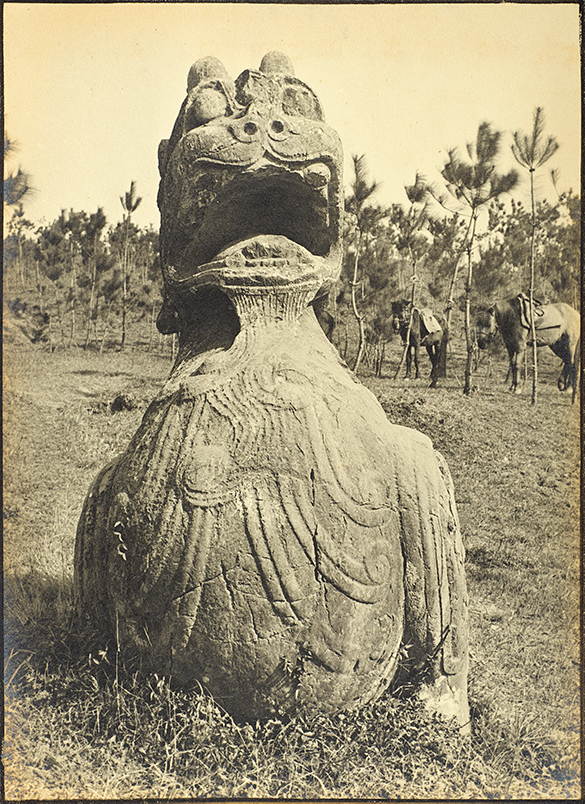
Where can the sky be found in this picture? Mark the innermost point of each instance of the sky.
(91, 89)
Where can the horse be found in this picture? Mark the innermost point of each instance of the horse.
(557, 326)
(324, 317)
(378, 332)
(425, 331)
(483, 340)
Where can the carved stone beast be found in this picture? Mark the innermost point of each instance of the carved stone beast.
(268, 533)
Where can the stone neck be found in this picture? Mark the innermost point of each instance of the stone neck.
(256, 305)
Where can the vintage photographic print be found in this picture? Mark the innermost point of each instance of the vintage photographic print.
(291, 394)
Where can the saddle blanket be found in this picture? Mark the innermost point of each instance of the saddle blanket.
(524, 310)
(428, 319)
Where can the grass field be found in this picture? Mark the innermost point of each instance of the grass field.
(80, 725)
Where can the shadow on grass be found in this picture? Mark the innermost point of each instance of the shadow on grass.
(38, 615)
(91, 372)
(74, 685)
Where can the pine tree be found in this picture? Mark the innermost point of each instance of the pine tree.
(531, 151)
(130, 204)
(473, 183)
(366, 217)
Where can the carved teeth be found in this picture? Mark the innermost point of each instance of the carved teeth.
(269, 263)
(317, 175)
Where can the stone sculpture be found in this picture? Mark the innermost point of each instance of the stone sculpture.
(268, 533)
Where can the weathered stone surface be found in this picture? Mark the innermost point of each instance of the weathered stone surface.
(268, 532)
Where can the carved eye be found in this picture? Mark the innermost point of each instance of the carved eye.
(246, 130)
(278, 129)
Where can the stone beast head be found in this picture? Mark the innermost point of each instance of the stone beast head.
(250, 193)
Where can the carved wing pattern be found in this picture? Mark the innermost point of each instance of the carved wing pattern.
(264, 444)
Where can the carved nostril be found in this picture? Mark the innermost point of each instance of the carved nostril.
(277, 126)
(250, 128)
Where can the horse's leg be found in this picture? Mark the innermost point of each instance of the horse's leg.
(572, 378)
(569, 374)
(514, 370)
(416, 345)
(562, 349)
(382, 354)
(409, 357)
(568, 378)
(565, 377)
(433, 353)
(519, 383)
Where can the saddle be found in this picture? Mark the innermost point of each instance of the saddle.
(429, 321)
(524, 309)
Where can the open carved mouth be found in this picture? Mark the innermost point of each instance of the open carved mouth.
(272, 219)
